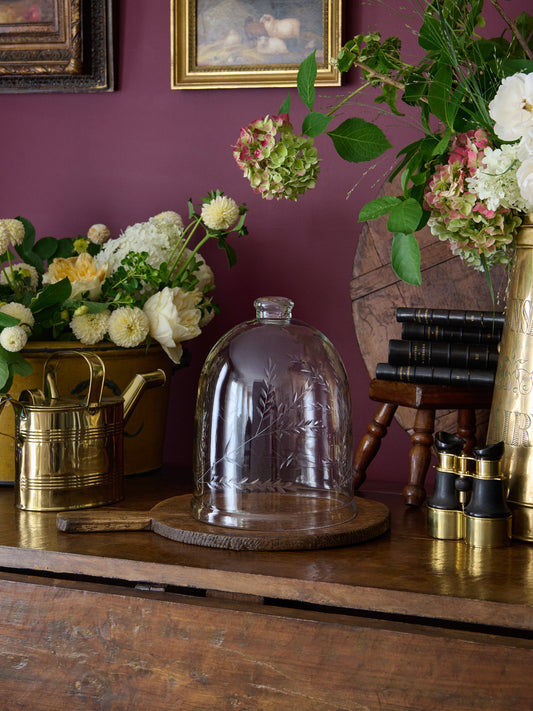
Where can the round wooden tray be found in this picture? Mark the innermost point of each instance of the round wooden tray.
(172, 519)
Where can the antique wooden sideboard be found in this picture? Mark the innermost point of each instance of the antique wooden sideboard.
(131, 620)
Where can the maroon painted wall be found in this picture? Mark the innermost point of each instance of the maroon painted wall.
(69, 160)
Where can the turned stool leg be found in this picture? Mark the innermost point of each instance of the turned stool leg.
(466, 428)
(370, 443)
(419, 457)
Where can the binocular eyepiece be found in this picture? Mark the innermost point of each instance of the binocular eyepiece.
(468, 501)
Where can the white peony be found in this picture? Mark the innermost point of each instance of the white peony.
(173, 316)
(525, 147)
(13, 338)
(524, 175)
(512, 107)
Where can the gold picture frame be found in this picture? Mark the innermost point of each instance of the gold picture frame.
(56, 46)
(214, 49)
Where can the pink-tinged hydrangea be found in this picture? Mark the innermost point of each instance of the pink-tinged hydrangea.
(459, 216)
(277, 163)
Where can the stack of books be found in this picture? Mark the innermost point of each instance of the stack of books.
(444, 347)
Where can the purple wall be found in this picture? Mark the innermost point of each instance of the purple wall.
(72, 160)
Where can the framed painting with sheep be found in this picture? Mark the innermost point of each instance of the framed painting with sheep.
(243, 43)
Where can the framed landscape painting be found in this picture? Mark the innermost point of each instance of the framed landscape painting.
(239, 43)
(56, 45)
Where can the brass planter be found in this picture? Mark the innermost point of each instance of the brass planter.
(145, 431)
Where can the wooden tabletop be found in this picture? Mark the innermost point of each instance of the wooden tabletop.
(403, 572)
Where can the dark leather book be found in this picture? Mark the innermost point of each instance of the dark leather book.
(450, 317)
(433, 332)
(443, 353)
(435, 375)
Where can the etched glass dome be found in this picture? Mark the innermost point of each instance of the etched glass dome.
(273, 432)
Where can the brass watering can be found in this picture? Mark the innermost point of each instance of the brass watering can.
(69, 451)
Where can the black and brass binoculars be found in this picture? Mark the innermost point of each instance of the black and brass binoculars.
(468, 501)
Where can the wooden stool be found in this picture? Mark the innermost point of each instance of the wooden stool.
(426, 399)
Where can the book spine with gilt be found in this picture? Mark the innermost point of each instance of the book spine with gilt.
(435, 375)
(443, 354)
(433, 332)
(450, 317)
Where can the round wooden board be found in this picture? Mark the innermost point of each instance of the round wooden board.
(172, 519)
(376, 292)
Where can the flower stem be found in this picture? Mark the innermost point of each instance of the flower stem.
(173, 260)
(514, 28)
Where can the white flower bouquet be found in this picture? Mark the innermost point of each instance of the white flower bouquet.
(148, 284)
(469, 176)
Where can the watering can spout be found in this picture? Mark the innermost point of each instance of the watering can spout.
(138, 384)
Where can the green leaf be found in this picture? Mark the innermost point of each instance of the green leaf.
(439, 95)
(29, 234)
(52, 295)
(5, 380)
(356, 140)
(305, 80)
(65, 248)
(378, 207)
(405, 258)
(404, 218)
(285, 106)
(46, 248)
(315, 123)
(7, 320)
(231, 254)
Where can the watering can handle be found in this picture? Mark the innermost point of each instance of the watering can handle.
(96, 376)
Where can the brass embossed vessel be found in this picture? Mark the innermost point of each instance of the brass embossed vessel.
(68, 450)
(511, 416)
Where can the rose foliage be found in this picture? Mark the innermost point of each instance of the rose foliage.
(470, 174)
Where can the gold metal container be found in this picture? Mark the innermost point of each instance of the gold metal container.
(511, 416)
(69, 452)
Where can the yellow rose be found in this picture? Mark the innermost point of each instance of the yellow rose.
(82, 272)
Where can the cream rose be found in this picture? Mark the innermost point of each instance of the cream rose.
(512, 107)
(524, 177)
(174, 317)
(83, 273)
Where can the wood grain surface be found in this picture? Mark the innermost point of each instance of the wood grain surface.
(376, 292)
(400, 572)
(172, 519)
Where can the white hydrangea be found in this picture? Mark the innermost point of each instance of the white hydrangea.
(496, 180)
(158, 237)
(13, 338)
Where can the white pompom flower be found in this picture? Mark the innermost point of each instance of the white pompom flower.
(128, 327)
(98, 233)
(90, 328)
(13, 338)
(27, 271)
(221, 213)
(23, 313)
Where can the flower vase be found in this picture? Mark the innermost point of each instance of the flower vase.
(511, 415)
(144, 433)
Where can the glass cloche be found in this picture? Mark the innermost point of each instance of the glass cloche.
(273, 444)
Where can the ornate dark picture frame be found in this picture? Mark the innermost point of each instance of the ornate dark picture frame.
(219, 45)
(56, 46)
